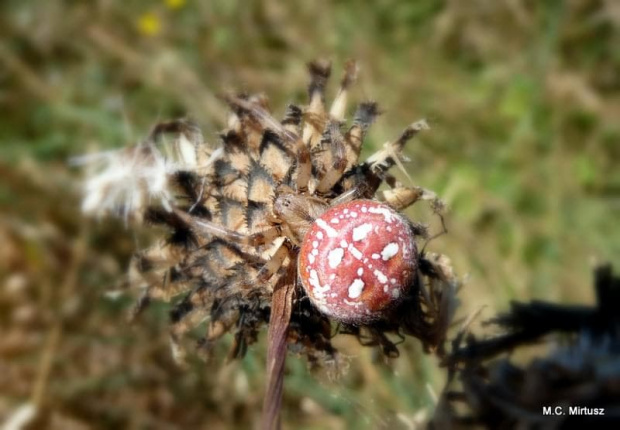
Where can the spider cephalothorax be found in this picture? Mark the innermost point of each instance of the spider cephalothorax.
(239, 213)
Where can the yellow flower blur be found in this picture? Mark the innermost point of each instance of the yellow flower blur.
(175, 4)
(149, 24)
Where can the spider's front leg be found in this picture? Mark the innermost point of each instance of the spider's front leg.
(276, 261)
(208, 228)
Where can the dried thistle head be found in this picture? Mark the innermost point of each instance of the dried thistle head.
(240, 214)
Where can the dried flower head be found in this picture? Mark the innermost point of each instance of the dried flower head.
(239, 212)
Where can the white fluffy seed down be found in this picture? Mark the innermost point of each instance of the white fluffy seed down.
(125, 181)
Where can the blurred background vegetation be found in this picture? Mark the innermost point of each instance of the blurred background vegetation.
(524, 102)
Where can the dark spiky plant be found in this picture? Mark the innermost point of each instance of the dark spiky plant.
(575, 383)
(240, 212)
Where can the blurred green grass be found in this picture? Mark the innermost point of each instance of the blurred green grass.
(523, 98)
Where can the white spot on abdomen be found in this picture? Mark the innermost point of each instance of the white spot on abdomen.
(331, 232)
(390, 250)
(356, 288)
(360, 232)
(387, 215)
(356, 252)
(314, 279)
(380, 276)
(334, 257)
(317, 289)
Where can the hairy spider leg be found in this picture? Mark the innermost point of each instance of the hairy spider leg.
(365, 115)
(358, 191)
(339, 160)
(255, 239)
(275, 262)
(315, 115)
(209, 228)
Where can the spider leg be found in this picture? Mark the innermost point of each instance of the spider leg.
(358, 191)
(304, 168)
(275, 262)
(388, 347)
(401, 197)
(444, 229)
(315, 113)
(206, 228)
(364, 116)
(292, 119)
(339, 160)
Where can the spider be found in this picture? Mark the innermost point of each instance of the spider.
(239, 219)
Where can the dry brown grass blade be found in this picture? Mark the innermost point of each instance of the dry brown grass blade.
(53, 341)
(28, 77)
(158, 73)
(281, 308)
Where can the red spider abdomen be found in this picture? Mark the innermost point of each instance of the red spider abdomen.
(358, 260)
